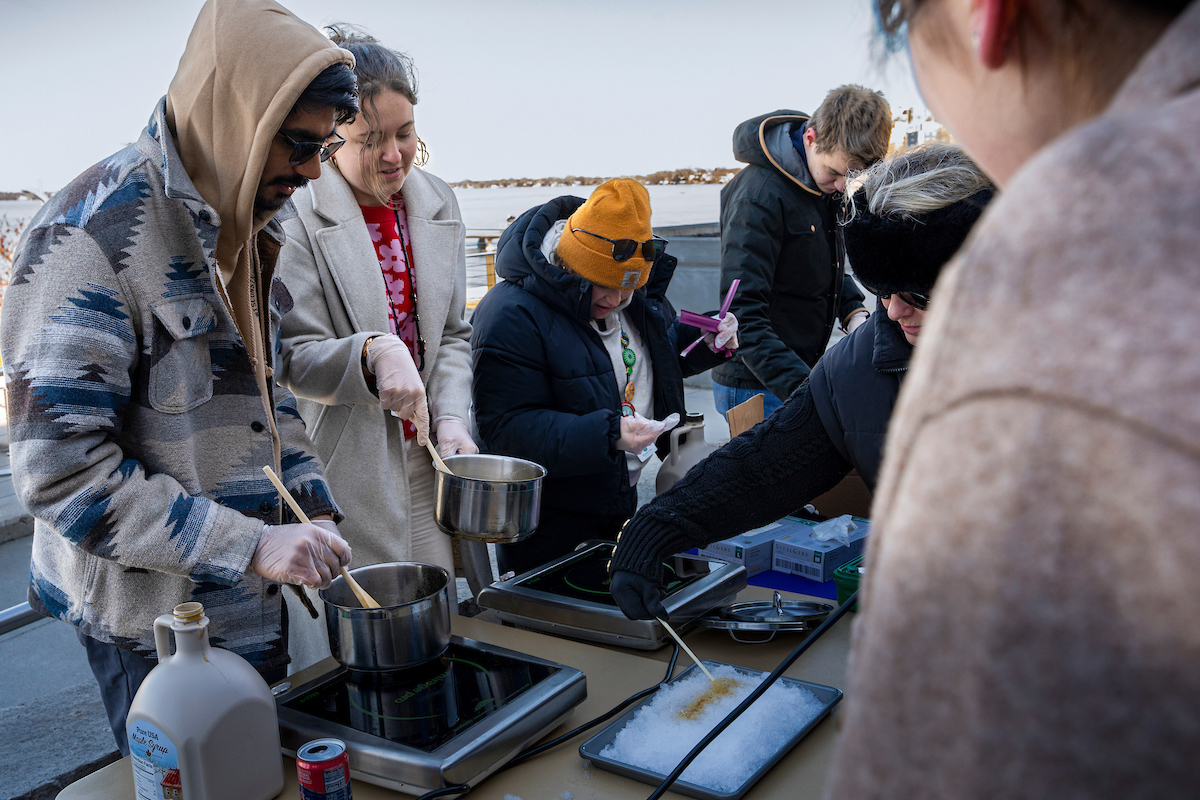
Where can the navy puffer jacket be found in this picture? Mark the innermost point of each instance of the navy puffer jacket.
(544, 388)
(854, 387)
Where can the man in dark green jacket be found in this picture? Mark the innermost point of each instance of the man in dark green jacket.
(777, 237)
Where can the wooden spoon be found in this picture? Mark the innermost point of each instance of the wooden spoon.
(365, 599)
(437, 460)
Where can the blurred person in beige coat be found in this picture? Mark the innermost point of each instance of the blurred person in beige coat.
(376, 265)
(1030, 625)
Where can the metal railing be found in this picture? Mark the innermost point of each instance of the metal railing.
(481, 253)
(17, 617)
(481, 264)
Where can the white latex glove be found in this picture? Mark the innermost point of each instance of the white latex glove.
(400, 388)
(638, 433)
(726, 336)
(854, 322)
(310, 554)
(453, 438)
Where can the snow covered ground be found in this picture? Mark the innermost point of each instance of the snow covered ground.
(19, 210)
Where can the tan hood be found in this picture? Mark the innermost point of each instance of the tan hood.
(246, 64)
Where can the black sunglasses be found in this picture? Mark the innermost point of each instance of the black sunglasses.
(303, 152)
(915, 299)
(625, 249)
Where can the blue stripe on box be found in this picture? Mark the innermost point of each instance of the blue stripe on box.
(794, 583)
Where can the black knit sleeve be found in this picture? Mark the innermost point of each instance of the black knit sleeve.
(769, 471)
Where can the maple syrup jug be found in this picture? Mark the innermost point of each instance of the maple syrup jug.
(688, 448)
(203, 724)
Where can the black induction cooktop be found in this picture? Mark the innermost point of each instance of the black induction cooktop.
(570, 597)
(585, 576)
(426, 706)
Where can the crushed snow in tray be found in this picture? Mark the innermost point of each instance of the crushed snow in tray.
(657, 738)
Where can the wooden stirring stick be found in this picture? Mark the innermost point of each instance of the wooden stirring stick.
(437, 460)
(686, 649)
(365, 599)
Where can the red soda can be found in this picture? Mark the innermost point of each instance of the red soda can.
(323, 767)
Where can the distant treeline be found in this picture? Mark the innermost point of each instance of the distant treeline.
(25, 195)
(669, 177)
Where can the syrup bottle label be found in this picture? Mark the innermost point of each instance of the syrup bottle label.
(155, 763)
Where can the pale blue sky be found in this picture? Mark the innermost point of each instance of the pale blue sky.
(508, 88)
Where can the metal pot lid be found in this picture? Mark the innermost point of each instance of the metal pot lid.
(776, 614)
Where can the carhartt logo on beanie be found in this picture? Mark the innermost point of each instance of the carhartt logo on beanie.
(618, 209)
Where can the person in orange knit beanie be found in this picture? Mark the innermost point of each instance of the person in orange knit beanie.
(577, 361)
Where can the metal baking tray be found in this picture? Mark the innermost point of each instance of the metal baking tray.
(591, 749)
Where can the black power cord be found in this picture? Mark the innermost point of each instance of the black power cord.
(757, 693)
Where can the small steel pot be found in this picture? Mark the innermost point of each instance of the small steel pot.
(489, 498)
(412, 627)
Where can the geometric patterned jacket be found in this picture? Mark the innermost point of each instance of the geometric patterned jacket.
(138, 431)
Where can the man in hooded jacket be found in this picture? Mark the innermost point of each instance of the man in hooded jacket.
(138, 341)
(777, 238)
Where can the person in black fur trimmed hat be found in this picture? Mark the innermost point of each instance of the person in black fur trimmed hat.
(906, 219)
(908, 216)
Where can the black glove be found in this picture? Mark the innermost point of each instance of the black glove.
(637, 597)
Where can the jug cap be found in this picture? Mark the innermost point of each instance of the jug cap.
(691, 418)
(189, 612)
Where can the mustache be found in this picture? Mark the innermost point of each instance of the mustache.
(289, 180)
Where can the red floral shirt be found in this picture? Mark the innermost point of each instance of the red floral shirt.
(389, 234)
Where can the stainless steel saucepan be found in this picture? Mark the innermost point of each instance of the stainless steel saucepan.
(411, 626)
(489, 498)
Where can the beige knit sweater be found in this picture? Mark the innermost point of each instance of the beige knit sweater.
(1031, 624)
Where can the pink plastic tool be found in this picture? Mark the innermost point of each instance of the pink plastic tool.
(708, 323)
(699, 321)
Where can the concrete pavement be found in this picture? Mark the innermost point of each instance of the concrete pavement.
(51, 718)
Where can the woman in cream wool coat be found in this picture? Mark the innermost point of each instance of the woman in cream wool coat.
(363, 232)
